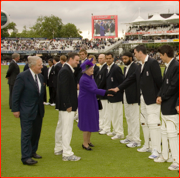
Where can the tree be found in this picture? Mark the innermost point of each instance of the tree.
(70, 30)
(5, 31)
(45, 26)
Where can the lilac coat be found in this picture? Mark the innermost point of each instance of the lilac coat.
(87, 104)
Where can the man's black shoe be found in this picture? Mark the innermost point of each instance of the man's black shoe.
(30, 161)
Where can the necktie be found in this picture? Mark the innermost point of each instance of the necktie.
(164, 72)
(37, 86)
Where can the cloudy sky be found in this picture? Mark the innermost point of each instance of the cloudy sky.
(79, 12)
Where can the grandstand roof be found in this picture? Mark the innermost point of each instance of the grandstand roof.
(155, 19)
(174, 18)
(138, 20)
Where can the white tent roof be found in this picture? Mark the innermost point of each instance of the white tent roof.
(155, 19)
(174, 18)
(137, 20)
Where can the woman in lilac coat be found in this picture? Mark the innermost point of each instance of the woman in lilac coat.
(87, 104)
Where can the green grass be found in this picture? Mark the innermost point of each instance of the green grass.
(109, 158)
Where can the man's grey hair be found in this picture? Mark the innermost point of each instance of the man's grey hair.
(15, 55)
(32, 60)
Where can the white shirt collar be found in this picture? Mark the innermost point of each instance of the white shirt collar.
(109, 67)
(146, 59)
(101, 66)
(128, 66)
(33, 74)
(56, 63)
(14, 60)
(70, 67)
(167, 64)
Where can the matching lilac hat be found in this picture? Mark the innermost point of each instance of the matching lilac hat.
(86, 64)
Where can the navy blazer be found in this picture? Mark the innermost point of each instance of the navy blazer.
(50, 79)
(149, 81)
(96, 70)
(114, 78)
(131, 92)
(57, 68)
(169, 91)
(101, 80)
(66, 90)
(26, 98)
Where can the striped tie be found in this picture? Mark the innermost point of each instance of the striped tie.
(36, 83)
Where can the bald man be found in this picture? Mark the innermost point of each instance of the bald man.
(101, 83)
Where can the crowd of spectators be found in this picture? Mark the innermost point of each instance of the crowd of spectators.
(59, 44)
(151, 28)
(156, 37)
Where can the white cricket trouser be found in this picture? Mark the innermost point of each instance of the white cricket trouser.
(132, 118)
(150, 121)
(116, 115)
(63, 133)
(103, 114)
(170, 126)
(76, 113)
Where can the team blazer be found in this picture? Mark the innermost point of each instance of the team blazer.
(57, 68)
(169, 91)
(26, 98)
(50, 79)
(96, 70)
(114, 78)
(12, 72)
(66, 90)
(44, 72)
(132, 91)
(149, 81)
(101, 80)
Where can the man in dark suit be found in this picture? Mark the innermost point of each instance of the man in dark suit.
(167, 98)
(131, 104)
(26, 67)
(149, 79)
(97, 27)
(101, 84)
(50, 82)
(114, 78)
(112, 27)
(11, 75)
(27, 103)
(67, 105)
(44, 72)
(57, 68)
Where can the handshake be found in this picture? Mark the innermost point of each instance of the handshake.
(112, 91)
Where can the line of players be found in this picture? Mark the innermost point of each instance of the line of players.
(140, 85)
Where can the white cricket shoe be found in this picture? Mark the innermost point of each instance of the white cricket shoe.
(111, 134)
(174, 167)
(58, 153)
(133, 144)
(53, 104)
(125, 141)
(71, 158)
(144, 149)
(154, 154)
(103, 132)
(162, 160)
(117, 137)
(46, 103)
